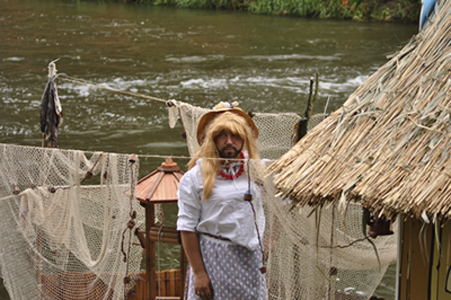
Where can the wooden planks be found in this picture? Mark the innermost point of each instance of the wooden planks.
(68, 286)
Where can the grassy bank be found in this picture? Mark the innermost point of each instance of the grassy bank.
(362, 10)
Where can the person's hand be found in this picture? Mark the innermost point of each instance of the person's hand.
(202, 286)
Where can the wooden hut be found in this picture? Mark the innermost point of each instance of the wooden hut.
(389, 148)
(160, 187)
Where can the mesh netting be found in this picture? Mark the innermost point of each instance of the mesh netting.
(188, 116)
(320, 254)
(61, 238)
(323, 254)
(276, 130)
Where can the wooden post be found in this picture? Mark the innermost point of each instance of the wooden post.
(303, 123)
(150, 254)
(39, 261)
(416, 264)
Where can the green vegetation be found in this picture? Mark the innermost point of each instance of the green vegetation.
(362, 10)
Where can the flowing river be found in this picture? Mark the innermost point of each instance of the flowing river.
(196, 56)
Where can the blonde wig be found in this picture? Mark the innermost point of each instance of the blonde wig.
(208, 152)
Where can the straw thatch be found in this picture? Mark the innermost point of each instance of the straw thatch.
(389, 146)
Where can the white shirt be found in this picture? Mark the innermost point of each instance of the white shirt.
(225, 213)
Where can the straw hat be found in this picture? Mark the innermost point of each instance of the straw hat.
(219, 109)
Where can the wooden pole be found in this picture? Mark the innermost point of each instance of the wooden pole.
(313, 95)
(150, 254)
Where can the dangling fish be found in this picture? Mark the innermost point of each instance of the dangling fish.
(51, 112)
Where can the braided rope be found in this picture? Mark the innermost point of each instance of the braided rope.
(106, 87)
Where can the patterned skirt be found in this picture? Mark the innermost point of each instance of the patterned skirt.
(233, 271)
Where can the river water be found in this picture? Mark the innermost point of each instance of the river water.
(196, 56)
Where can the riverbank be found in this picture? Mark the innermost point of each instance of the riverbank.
(360, 10)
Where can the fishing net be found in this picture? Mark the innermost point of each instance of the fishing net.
(66, 224)
(276, 130)
(321, 254)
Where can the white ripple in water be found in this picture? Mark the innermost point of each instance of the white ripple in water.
(117, 83)
(291, 83)
(14, 58)
(291, 57)
(194, 59)
(205, 83)
(349, 85)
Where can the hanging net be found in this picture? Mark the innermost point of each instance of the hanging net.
(67, 220)
(276, 130)
(66, 224)
(321, 254)
(312, 254)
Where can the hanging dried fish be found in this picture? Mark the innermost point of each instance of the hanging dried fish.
(51, 113)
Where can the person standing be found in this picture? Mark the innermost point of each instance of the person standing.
(218, 226)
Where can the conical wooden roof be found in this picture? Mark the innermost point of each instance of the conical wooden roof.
(161, 185)
(389, 146)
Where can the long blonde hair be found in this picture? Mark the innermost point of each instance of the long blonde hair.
(209, 153)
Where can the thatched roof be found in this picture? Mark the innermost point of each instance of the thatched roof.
(389, 146)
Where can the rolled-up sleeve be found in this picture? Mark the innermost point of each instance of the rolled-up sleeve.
(188, 203)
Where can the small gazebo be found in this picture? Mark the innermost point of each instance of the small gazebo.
(389, 148)
(159, 188)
